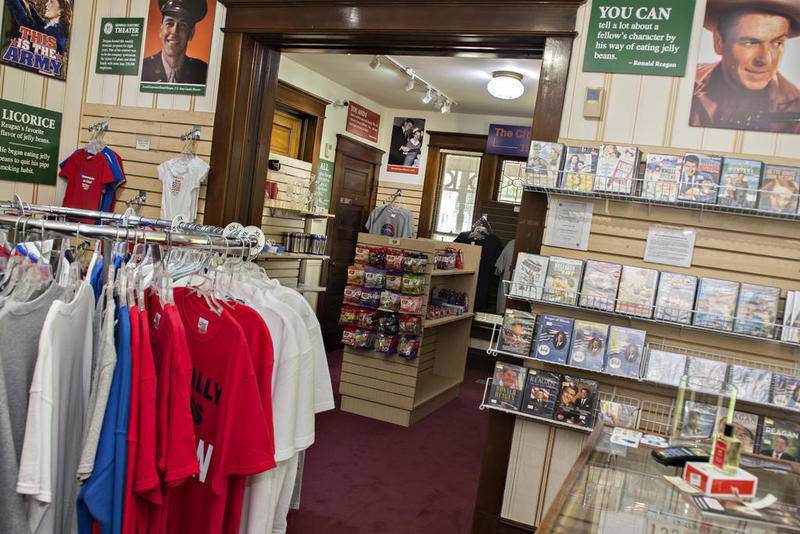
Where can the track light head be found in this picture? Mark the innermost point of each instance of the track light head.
(428, 96)
(446, 106)
(410, 85)
(375, 63)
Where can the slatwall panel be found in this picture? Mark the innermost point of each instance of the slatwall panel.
(294, 175)
(410, 197)
(163, 128)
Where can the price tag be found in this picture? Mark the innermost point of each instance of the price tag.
(394, 241)
(142, 143)
(654, 526)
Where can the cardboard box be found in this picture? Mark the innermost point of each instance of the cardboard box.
(714, 483)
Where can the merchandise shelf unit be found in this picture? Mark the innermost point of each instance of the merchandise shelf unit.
(391, 389)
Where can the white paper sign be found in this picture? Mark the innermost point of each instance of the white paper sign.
(142, 143)
(670, 246)
(568, 224)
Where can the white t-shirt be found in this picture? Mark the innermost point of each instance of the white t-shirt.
(181, 178)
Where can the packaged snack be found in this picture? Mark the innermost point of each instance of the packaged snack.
(349, 316)
(356, 275)
(374, 277)
(411, 304)
(368, 319)
(364, 339)
(390, 302)
(394, 260)
(410, 325)
(413, 284)
(370, 297)
(394, 282)
(349, 337)
(377, 257)
(362, 255)
(352, 295)
(387, 323)
(408, 348)
(415, 264)
(386, 344)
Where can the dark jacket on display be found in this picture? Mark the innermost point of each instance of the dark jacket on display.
(192, 71)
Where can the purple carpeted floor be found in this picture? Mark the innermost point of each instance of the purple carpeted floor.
(366, 476)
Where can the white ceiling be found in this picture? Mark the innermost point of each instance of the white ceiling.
(460, 78)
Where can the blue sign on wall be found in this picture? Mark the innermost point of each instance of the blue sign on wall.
(507, 140)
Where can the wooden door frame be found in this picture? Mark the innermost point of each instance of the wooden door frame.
(312, 108)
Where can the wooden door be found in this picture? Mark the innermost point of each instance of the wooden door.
(287, 133)
(355, 187)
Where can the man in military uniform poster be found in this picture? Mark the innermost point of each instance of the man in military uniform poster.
(744, 89)
(171, 64)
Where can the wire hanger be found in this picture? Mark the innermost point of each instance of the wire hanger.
(98, 130)
(190, 139)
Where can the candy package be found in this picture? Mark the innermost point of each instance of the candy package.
(394, 260)
(352, 295)
(374, 277)
(364, 339)
(386, 344)
(368, 319)
(387, 323)
(390, 302)
(356, 275)
(413, 284)
(377, 257)
(370, 297)
(349, 316)
(362, 255)
(415, 264)
(408, 348)
(411, 304)
(349, 337)
(394, 282)
(410, 324)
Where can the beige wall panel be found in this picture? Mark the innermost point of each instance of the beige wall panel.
(652, 109)
(622, 101)
(758, 142)
(788, 146)
(526, 464)
(209, 101)
(566, 446)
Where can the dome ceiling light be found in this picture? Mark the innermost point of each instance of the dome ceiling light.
(506, 85)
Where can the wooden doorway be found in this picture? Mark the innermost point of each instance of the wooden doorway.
(355, 188)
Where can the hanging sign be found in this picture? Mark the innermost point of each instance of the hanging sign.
(29, 139)
(670, 246)
(323, 184)
(119, 47)
(639, 37)
(362, 122)
(507, 140)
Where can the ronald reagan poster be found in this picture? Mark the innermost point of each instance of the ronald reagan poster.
(36, 35)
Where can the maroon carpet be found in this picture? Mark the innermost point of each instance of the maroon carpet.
(366, 476)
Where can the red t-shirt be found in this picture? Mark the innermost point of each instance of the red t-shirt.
(128, 512)
(87, 176)
(146, 480)
(232, 434)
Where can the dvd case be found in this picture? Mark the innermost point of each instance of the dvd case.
(740, 182)
(544, 163)
(790, 331)
(618, 414)
(675, 297)
(553, 338)
(699, 178)
(563, 280)
(616, 169)
(508, 386)
(516, 334)
(716, 303)
(600, 283)
(589, 345)
(577, 401)
(780, 438)
(661, 175)
(541, 393)
(757, 310)
(786, 391)
(637, 291)
(745, 427)
(665, 367)
(780, 188)
(580, 165)
(529, 274)
(624, 351)
(751, 384)
(706, 376)
(698, 420)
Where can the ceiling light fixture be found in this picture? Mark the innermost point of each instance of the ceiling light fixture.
(432, 93)
(428, 96)
(410, 85)
(375, 63)
(506, 85)
(446, 107)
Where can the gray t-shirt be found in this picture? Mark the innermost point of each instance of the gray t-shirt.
(391, 221)
(20, 326)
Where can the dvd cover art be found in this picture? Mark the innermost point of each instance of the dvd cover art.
(716, 303)
(706, 376)
(757, 310)
(745, 427)
(740, 182)
(541, 393)
(618, 414)
(699, 178)
(624, 351)
(616, 169)
(544, 163)
(577, 401)
(665, 367)
(751, 384)
(786, 391)
(698, 420)
(508, 386)
(790, 331)
(661, 175)
(529, 275)
(580, 165)
(589, 345)
(675, 297)
(780, 188)
(516, 334)
(563, 280)
(637, 291)
(553, 338)
(780, 438)
(600, 283)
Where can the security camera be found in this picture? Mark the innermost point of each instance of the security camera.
(341, 103)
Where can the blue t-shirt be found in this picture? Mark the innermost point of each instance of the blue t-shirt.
(119, 177)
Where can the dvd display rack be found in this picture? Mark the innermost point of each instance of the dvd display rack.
(399, 391)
